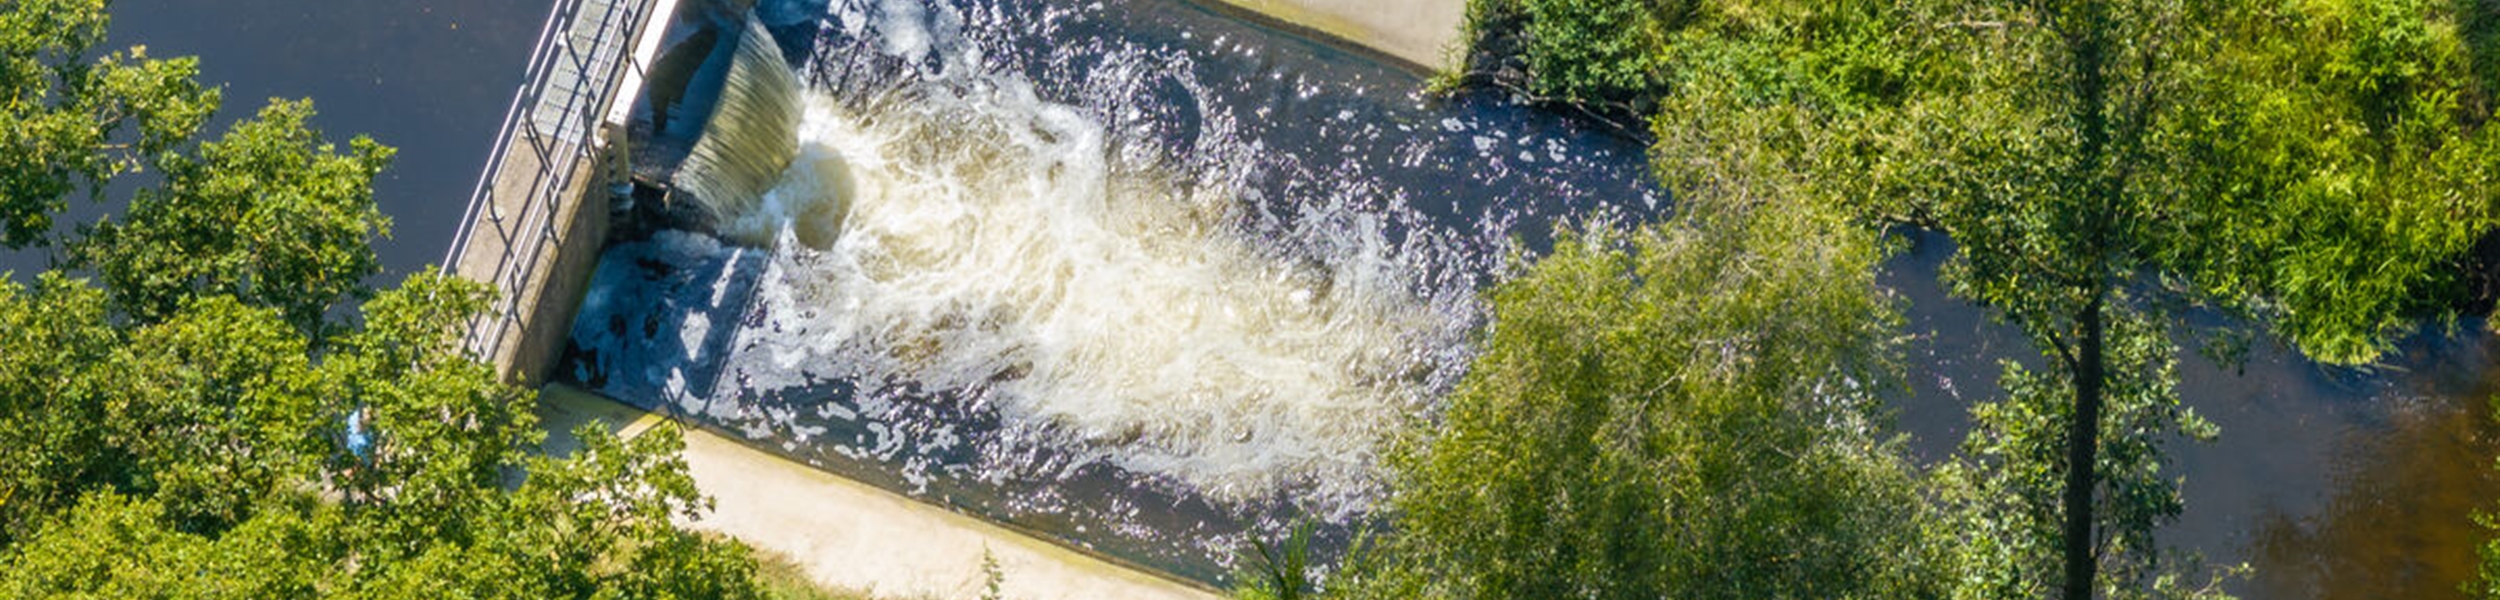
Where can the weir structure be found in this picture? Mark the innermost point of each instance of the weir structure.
(534, 229)
(539, 214)
(536, 224)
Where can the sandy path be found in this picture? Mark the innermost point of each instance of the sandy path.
(1424, 32)
(851, 535)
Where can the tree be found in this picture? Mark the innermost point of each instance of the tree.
(1683, 412)
(1602, 54)
(215, 409)
(268, 214)
(2315, 169)
(55, 356)
(74, 122)
(443, 425)
(112, 546)
(214, 465)
(180, 430)
(2188, 170)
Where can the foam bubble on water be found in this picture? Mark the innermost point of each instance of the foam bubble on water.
(906, 34)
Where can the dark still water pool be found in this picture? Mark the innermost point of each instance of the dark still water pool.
(429, 77)
(1152, 279)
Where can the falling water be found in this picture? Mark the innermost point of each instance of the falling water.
(748, 144)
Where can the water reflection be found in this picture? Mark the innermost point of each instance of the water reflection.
(2397, 521)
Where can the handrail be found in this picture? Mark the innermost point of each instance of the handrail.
(600, 65)
(503, 138)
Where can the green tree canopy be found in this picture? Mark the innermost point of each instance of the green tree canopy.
(212, 462)
(181, 431)
(1683, 412)
(268, 214)
(2317, 169)
(75, 122)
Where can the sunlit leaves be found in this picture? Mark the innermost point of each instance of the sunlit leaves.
(216, 409)
(68, 123)
(1679, 412)
(2317, 169)
(202, 457)
(111, 546)
(269, 214)
(177, 429)
(55, 362)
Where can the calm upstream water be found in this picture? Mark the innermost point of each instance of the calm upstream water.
(1146, 277)
(429, 77)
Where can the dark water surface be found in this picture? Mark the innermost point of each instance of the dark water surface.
(2331, 483)
(429, 77)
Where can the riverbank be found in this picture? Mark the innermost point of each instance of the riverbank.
(849, 535)
(1423, 33)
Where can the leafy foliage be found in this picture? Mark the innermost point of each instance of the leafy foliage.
(268, 214)
(218, 468)
(2314, 168)
(1682, 412)
(181, 431)
(74, 122)
(2318, 166)
(2004, 494)
(1278, 570)
(112, 546)
(1580, 50)
(55, 362)
(2341, 145)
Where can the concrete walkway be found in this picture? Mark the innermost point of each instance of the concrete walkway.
(850, 535)
(1424, 32)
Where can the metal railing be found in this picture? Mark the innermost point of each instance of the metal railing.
(598, 63)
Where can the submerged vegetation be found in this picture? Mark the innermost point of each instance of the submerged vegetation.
(1693, 409)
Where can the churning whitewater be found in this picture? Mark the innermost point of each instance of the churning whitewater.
(1121, 271)
(990, 244)
(954, 237)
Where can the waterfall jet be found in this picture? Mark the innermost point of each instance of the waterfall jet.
(741, 169)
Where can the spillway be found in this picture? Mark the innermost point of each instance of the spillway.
(1149, 295)
(748, 145)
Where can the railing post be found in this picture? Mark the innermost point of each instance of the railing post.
(599, 58)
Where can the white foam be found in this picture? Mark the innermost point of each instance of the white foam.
(992, 245)
(904, 29)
